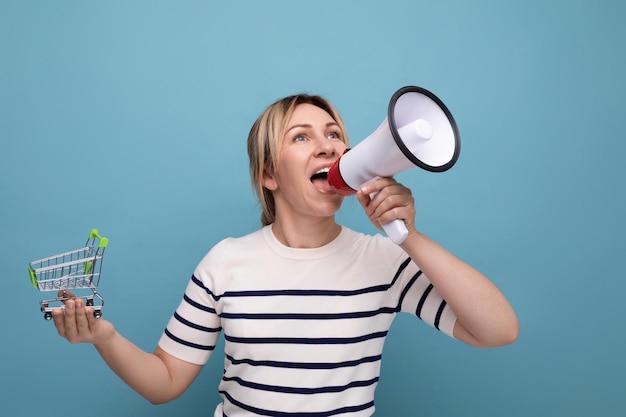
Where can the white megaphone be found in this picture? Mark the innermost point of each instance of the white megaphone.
(419, 131)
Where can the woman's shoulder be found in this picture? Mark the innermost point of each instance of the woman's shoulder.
(236, 244)
(366, 238)
(226, 253)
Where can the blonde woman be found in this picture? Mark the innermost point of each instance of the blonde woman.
(304, 303)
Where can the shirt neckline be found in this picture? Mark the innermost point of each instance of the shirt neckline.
(330, 248)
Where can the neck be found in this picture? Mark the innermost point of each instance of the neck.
(306, 235)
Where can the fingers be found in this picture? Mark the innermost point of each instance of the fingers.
(72, 322)
(385, 200)
(82, 325)
(59, 321)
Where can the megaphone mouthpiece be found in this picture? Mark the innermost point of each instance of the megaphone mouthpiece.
(336, 181)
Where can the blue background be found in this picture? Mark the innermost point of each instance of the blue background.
(131, 116)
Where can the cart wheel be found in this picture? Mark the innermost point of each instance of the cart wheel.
(47, 315)
(97, 314)
(89, 302)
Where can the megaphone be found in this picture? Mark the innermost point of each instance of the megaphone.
(419, 131)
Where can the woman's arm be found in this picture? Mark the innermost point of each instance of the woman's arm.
(158, 377)
(484, 316)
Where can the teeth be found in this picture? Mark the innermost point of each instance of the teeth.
(322, 173)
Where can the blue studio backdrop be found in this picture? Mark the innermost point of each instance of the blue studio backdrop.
(131, 117)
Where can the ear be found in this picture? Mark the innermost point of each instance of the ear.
(269, 181)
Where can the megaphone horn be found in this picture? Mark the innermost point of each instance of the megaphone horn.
(419, 131)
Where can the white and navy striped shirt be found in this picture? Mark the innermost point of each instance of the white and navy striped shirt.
(303, 328)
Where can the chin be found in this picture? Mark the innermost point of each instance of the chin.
(332, 208)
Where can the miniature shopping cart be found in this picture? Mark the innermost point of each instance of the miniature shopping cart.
(74, 274)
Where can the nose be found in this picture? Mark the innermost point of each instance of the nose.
(325, 147)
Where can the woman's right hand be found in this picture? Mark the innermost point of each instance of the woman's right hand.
(76, 323)
(158, 376)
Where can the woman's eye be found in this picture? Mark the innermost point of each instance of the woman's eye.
(299, 138)
(334, 135)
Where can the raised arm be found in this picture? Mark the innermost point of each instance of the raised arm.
(158, 377)
(484, 316)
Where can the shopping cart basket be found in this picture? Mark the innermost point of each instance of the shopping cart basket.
(78, 269)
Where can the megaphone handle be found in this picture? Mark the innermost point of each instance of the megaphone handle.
(396, 230)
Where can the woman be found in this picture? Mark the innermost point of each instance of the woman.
(304, 303)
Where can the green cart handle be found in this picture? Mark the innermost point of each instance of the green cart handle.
(33, 276)
(94, 234)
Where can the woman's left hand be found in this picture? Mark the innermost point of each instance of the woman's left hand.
(385, 200)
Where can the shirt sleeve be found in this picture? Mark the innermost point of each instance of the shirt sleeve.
(420, 298)
(417, 295)
(193, 331)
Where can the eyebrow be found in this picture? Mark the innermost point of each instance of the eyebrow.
(308, 126)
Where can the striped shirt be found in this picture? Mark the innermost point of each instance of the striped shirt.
(303, 328)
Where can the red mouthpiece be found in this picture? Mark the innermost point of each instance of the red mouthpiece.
(336, 181)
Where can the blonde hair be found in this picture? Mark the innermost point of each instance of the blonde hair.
(265, 140)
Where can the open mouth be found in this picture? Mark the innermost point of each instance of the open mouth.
(322, 174)
(320, 181)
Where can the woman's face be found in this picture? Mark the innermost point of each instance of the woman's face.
(312, 142)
